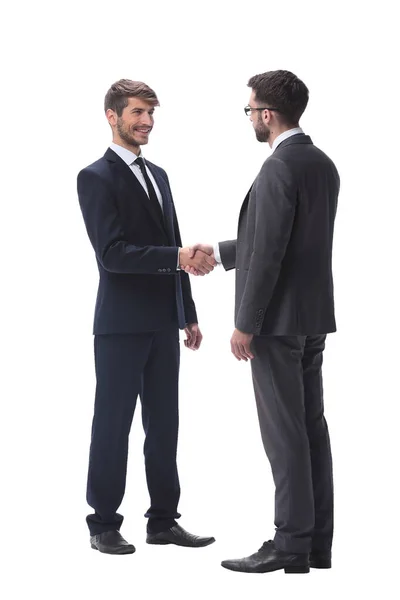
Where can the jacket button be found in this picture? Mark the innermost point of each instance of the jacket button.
(160, 270)
(168, 270)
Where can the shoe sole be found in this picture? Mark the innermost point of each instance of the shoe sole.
(166, 542)
(130, 551)
(298, 570)
(288, 570)
(325, 564)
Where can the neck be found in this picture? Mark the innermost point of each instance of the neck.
(277, 131)
(133, 148)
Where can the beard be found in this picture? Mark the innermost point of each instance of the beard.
(262, 131)
(126, 135)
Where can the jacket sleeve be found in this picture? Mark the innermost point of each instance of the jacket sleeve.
(188, 303)
(227, 251)
(103, 225)
(276, 200)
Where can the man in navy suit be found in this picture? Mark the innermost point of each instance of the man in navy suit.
(143, 299)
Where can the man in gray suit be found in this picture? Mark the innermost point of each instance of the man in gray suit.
(283, 310)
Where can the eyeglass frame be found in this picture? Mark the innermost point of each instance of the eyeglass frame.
(248, 109)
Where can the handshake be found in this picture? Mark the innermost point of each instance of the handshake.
(198, 259)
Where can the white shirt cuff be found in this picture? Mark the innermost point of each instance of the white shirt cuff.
(217, 255)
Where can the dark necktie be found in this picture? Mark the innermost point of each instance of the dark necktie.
(150, 188)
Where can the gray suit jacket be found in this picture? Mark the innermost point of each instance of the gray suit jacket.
(283, 251)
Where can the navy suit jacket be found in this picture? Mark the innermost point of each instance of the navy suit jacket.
(140, 288)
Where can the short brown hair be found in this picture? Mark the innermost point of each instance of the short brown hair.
(120, 91)
(281, 90)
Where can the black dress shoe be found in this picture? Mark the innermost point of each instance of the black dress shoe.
(111, 542)
(177, 535)
(267, 559)
(320, 560)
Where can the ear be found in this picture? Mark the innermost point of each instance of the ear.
(267, 116)
(111, 117)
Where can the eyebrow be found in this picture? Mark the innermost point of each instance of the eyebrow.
(142, 109)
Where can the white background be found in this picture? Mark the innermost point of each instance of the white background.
(57, 63)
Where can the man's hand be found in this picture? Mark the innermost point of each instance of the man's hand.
(193, 336)
(240, 345)
(194, 250)
(200, 262)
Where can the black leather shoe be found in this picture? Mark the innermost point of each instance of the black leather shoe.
(111, 542)
(177, 535)
(267, 559)
(320, 560)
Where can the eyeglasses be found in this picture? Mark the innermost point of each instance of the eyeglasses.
(248, 109)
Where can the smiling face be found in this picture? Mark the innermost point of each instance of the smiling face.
(133, 127)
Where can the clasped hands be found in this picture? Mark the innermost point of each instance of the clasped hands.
(197, 260)
(200, 260)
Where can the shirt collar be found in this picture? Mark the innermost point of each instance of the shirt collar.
(285, 135)
(127, 155)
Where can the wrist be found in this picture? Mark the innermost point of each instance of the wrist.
(183, 258)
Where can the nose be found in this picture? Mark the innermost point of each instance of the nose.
(147, 119)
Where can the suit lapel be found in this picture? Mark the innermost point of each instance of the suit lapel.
(245, 202)
(133, 185)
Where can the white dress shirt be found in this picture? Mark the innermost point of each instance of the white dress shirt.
(278, 140)
(129, 158)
